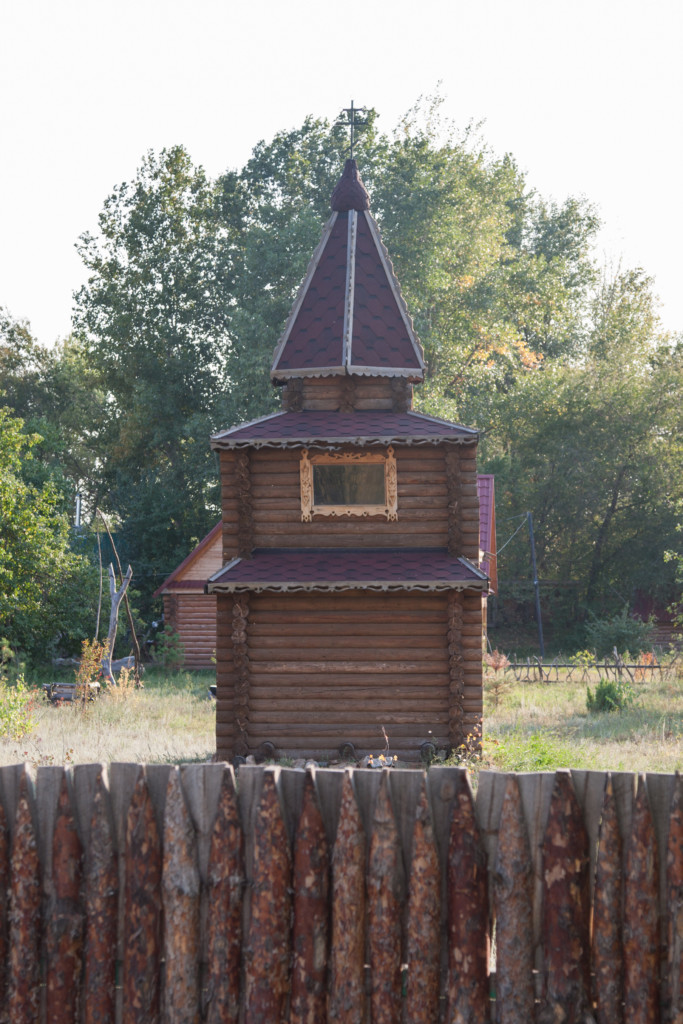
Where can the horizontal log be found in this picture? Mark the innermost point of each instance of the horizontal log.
(360, 537)
(368, 680)
(357, 525)
(338, 667)
(313, 691)
(359, 602)
(343, 654)
(342, 718)
(275, 631)
(269, 642)
(362, 729)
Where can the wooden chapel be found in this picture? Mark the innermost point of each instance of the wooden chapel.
(350, 601)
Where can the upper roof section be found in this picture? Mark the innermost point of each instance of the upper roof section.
(349, 316)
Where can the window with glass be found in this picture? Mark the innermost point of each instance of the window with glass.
(348, 484)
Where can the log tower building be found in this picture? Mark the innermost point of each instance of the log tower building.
(350, 598)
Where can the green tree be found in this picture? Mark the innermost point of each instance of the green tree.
(155, 319)
(44, 586)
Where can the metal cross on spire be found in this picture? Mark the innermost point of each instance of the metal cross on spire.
(353, 123)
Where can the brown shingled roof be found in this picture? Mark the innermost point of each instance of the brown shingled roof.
(349, 315)
(335, 569)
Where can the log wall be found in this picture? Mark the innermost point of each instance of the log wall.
(319, 670)
(193, 617)
(271, 505)
(133, 894)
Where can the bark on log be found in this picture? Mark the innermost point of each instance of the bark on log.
(565, 909)
(468, 937)
(641, 916)
(512, 887)
(226, 888)
(142, 916)
(384, 911)
(673, 993)
(606, 945)
(4, 909)
(101, 905)
(311, 895)
(347, 958)
(23, 998)
(66, 918)
(180, 887)
(267, 952)
(423, 945)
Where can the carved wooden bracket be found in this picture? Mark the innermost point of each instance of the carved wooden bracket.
(245, 510)
(456, 671)
(308, 505)
(240, 660)
(454, 497)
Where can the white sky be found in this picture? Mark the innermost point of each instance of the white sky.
(586, 96)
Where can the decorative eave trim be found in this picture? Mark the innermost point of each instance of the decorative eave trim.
(326, 587)
(315, 441)
(396, 289)
(301, 294)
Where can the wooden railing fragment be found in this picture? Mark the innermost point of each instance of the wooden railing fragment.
(606, 940)
(384, 886)
(423, 938)
(311, 906)
(23, 996)
(641, 916)
(65, 918)
(267, 952)
(468, 935)
(180, 888)
(101, 906)
(512, 889)
(224, 924)
(142, 910)
(566, 906)
(347, 953)
(673, 975)
(4, 908)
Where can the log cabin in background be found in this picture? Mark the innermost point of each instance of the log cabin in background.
(350, 601)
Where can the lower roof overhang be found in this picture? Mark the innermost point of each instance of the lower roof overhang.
(327, 570)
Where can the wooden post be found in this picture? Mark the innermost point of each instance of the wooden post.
(116, 598)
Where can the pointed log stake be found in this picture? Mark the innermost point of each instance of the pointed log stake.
(101, 908)
(606, 945)
(565, 908)
(641, 917)
(4, 907)
(311, 894)
(66, 918)
(513, 899)
(384, 911)
(226, 888)
(346, 1003)
(424, 918)
(142, 910)
(180, 888)
(23, 998)
(268, 949)
(468, 938)
(673, 996)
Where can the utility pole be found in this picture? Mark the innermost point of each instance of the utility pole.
(530, 522)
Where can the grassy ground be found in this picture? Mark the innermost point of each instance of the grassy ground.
(172, 719)
(541, 726)
(527, 726)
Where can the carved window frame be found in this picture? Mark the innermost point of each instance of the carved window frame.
(308, 509)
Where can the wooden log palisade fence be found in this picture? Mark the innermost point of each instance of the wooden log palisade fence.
(163, 894)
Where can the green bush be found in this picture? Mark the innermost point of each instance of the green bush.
(609, 696)
(17, 702)
(621, 631)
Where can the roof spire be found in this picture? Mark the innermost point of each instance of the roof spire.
(351, 117)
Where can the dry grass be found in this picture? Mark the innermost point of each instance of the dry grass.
(528, 726)
(538, 726)
(171, 720)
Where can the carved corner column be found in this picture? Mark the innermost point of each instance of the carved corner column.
(456, 671)
(454, 497)
(245, 505)
(240, 660)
